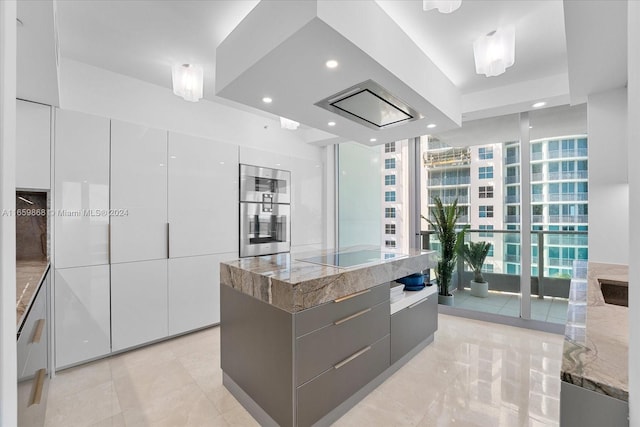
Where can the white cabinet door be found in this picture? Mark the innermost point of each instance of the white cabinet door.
(82, 316)
(81, 189)
(139, 228)
(307, 203)
(138, 303)
(203, 196)
(194, 291)
(33, 146)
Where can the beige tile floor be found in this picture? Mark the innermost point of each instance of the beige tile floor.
(474, 374)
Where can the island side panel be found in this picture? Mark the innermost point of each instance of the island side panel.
(256, 351)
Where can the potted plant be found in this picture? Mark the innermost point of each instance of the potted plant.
(474, 255)
(444, 225)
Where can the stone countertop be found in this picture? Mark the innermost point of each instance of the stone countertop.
(596, 344)
(28, 277)
(292, 285)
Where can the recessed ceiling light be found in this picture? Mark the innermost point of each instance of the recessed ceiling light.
(267, 100)
(332, 63)
(539, 104)
(331, 123)
(431, 125)
(530, 127)
(372, 140)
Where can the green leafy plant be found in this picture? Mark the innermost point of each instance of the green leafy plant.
(474, 255)
(444, 225)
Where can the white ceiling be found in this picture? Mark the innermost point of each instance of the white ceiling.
(142, 39)
(448, 38)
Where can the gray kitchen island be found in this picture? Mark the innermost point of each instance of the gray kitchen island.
(303, 339)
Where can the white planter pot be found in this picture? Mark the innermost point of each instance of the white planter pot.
(480, 290)
(445, 299)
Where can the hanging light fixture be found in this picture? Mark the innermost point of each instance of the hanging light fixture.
(443, 6)
(188, 81)
(288, 124)
(495, 52)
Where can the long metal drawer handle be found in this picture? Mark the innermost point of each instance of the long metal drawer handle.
(353, 316)
(419, 302)
(37, 335)
(38, 385)
(352, 295)
(353, 356)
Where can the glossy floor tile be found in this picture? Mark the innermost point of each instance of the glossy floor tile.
(547, 309)
(473, 374)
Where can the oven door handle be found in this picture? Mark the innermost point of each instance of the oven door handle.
(267, 202)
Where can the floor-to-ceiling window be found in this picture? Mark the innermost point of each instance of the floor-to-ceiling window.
(484, 171)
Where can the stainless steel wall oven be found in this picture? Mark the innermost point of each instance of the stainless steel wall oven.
(265, 211)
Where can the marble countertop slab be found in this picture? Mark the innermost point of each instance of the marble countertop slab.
(28, 277)
(292, 285)
(596, 344)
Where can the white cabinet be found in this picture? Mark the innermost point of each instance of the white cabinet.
(81, 189)
(194, 291)
(252, 156)
(138, 303)
(203, 196)
(307, 202)
(33, 146)
(82, 314)
(139, 229)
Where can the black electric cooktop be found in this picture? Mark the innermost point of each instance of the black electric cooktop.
(352, 259)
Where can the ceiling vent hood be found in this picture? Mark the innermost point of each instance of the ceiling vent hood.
(281, 52)
(371, 105)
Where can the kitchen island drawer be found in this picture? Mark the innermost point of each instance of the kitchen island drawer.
(318, 397)
(314, 318)
(319, 350)
(412, 325)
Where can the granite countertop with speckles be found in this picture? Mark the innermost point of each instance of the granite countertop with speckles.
(596, 343)
(287, 282)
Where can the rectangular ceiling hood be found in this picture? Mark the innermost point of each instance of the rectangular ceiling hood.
(371, 105)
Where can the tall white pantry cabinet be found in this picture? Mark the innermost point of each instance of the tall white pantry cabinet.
(149, 269)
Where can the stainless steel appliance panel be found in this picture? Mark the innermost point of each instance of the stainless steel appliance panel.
(265, 228)
(258, 184)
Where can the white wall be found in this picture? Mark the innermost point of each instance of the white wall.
(360, 202)
(608, 177)
(634, 211)
(8, 374)
(97, 91)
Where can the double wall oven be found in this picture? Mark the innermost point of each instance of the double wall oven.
(265, 211)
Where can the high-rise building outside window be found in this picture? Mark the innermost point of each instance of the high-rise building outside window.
(485, 211)
(485, 153)
(389, 163)
(485, 172)
(485, 192)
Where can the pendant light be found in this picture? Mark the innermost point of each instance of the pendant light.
(188, 81)
(495, 52)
